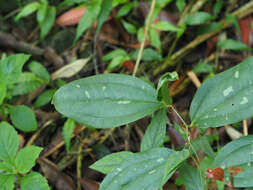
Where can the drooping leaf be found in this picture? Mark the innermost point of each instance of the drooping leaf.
(180, 5)
(11, 68)
(27, 10)
(39, 70)
(9, 142)
(26, 157)
(110, 162)
(235, 153)
(23, 118)
(191, 177)
(125, 9)
(6, 181)
(155, 133)
(129, 27)
(232, 45)
(225, 98)
(105, 101)
(44, 98)
(88, 18)
(33, 181)
(48, 22)
(145, 170)
(198, 18)
(106, 8)
(68, 129)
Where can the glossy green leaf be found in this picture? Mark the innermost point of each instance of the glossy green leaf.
(88, 18)
(7, 167)
(110, 162)
(3, 91)
(191, 177)
(232, 45)
(233, 20)
(162, 87)
(26, 158)
(9, 142)
(39, 70)
(144, 170)
(235, 153)
(113, 54)
(147, 55)
(206, 28)
(244, 178)
(48, 22)
(106, 8)
(156, 132)
(201, 143)
(27, 10)
(217, 7)
(44, 98)
(105, 101)
(180, 4)
(165, 26)
(68, 129)
(130, 28)
(203, 67)
(224, 99)
(198, 18)
(11, 68)
(116, 61)
(154, 38)
(41, 13)
(23, 118)
(6, 182)
(125, 9)
(34, 181)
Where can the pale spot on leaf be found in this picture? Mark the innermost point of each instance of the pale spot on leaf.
(87, 94)
(236, 74)
(244, 100)
(124, 102)
(227, 91)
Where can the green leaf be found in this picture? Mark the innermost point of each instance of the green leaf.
(110, 162)
(206, 28)
(233, 20)
(203, 67)
(244, 178)
(198, 18)
(144, 170)
(232, 45)
(201, 143)
(27, 10)
(165, 26)
(155, 39)
(147, 55)
(180, 5)
(105, 101)
(155, 132)
(225, 98)
(42, 13)
(39, 70)
(191, 177)
(125, 9)
(140, 34)
(217, 7)
(11, 68)
(9, 142)
(116, 61)
(106, 8)
(26, 158)
(162, 87)
(88, 18)
(6, 182)
(235, 153)
(34, 181)
(48, 22)
(130, 28)
(113, 54)
(44, 98)
(23, 118)
(3, 91)
(68, 129)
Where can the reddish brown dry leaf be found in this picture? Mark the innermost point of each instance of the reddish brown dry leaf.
(215, 174)
(71, 17)
(60, 180)
(211, 45)
(246, 30)
(234, 170)
(128, 65)
(88, 184)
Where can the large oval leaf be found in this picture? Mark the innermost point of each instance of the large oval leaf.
(235, 153)
(105, 101)
(226, 98)
(147, 170)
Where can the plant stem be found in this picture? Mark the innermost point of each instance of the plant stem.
(144, 37)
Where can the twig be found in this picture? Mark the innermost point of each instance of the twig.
(79, 166)
(145, 36)
(245, 127)
(193, 77)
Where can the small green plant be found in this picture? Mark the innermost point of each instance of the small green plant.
(15, 165)
(45, 15)
(111, 100)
